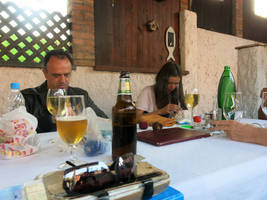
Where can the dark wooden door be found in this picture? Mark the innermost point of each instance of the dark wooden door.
(122, 39)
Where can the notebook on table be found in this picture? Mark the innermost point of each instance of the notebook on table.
(170, 136)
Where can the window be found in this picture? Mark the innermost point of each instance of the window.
(214, 15)
(254, 26)
(260, 8)
(28, 29)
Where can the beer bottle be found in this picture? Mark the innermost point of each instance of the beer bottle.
(123, 120)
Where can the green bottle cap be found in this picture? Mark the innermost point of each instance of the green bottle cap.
(226, 67)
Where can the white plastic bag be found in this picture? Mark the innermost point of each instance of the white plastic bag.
(18, 137)
(97, 139)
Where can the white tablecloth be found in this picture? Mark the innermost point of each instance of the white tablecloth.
(207, 168)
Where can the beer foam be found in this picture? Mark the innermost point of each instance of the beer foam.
(71, 118)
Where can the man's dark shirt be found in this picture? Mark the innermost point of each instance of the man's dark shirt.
(35, 102)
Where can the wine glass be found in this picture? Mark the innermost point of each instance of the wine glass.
(52, 99)
(264, 102)
(232, 106)
(52, 103)
(191, 100)
(71, 122)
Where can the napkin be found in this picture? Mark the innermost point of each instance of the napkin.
(18, 137)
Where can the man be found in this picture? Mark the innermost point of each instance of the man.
(57, 71)
(261, 114)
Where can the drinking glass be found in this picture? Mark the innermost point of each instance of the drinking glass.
(52, 103)
(71, 122)
(191, 100)
(52, 99)
(233, 106)
(264, 102)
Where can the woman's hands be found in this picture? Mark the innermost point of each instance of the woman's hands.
(169, 109)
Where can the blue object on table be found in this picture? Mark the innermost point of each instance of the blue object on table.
(184, 123)
(11, 193)
(95, 147)
(169, 194)
(107, 135)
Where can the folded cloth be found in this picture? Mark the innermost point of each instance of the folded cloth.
(17, 134)
(151, 118)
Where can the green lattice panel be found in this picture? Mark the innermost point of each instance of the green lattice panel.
(5, 57)
(14, 37)
(14, 51)
(21, 46)
(5, 43)
(21, 58)
(37, 60)
(43, 41)
(29, 52)
(29, 39)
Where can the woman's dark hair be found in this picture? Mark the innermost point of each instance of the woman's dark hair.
(170, 69)
(59, 53)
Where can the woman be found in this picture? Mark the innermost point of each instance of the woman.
(164, 98)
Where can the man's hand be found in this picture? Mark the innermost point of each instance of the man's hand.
(236, 130)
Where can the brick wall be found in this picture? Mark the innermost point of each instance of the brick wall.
(184, 5)
(238, 18)
(83, 39)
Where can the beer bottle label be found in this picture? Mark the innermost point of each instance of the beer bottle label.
(124, 88)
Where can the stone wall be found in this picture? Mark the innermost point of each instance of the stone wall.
(204, 55)
(252, 71)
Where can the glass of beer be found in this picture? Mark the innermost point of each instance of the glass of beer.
(191, 101)
(71, 121)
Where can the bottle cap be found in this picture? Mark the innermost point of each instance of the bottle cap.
(227, 67)
(124, 74)
(14, 85)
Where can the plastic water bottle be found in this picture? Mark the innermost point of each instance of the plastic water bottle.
(14, 99)
(227, 84)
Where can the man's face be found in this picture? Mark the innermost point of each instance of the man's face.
(58, 73)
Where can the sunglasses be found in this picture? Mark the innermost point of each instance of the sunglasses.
(96, 177)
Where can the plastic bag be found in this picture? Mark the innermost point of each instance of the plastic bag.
(18, 137)
(97, 139)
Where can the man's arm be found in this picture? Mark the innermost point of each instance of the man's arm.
(242, 132)
(90, 103)
(35, 104)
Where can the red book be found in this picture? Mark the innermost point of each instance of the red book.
(170, 136)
